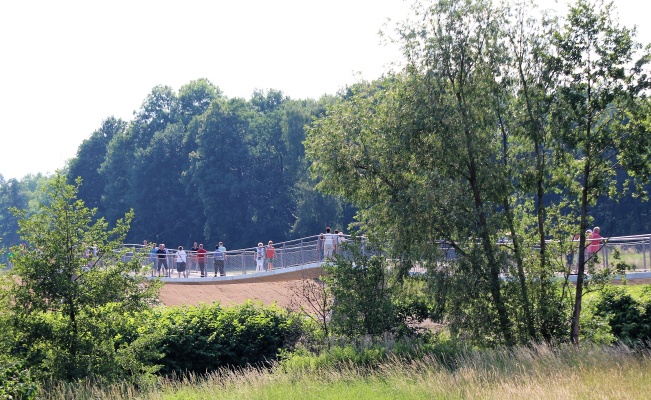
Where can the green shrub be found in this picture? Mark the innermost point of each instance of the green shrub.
(206, 338)
(370, 352)
(629, 318)
(16, 382)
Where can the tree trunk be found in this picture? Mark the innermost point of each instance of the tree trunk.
(493, 268)
(517, 248)
(574, 332)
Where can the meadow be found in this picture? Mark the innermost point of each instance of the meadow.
(536, 372)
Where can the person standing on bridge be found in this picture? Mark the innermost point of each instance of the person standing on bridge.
(219, 259)
(201, 258)
(259, 257)
(569, 257)
(152, 258)
(595, 241)
(161, 253)
(269, 255)
(319, 247)
(193, 256)
(329, 243)
(181, 258)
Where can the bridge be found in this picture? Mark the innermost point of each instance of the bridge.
(304, 257)
(292, 259)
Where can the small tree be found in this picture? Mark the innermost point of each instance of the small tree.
(67, 285)
(313, 297)
(362, 295)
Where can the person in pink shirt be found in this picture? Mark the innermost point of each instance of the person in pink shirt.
(595, 241)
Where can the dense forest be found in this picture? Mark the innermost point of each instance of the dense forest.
(198, 166)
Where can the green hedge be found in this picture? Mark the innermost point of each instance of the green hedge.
(16, 382)
(628, 316)
(205, 338)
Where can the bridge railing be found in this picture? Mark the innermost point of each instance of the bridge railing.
(291, 253)
(634, 250)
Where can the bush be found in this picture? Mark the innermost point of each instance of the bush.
(16, 382)
(370, 352)
(629, 318)
(206, 338)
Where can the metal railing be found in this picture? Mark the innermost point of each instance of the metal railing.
(634, 250)
(292, 253)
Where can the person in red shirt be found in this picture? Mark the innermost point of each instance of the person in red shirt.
(595, 241)
(201, 258)
(269, 255)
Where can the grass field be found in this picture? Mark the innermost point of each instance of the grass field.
(524, 373)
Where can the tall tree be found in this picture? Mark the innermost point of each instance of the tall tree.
(524, 115)
(220, 171)
(195, 98)
(602, 110)
(90, 156)
(157, 173)
(159, 109)
(272, 201)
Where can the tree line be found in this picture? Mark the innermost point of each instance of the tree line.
(198, 166)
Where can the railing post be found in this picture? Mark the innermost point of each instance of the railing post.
(243, 265)
(644, 246)
(302, 253)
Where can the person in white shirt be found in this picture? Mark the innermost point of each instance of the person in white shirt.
(181, 260)
(329, 243)
(259, 257)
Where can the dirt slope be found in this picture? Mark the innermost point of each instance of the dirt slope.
(278, 288)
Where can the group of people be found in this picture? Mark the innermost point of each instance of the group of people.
(263, 254)
(593, 240)
(159, 257)
(197, 257)
(329, 243)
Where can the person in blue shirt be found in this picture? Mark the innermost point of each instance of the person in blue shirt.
(219, 259)
(152, 258)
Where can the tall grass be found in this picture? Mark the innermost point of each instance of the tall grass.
(539, 372)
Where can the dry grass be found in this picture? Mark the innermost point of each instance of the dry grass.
(539, 372)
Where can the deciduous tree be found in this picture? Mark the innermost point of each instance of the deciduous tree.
(68, 283)
(602, 111)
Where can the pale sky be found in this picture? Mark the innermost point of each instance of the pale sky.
(68, 65)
